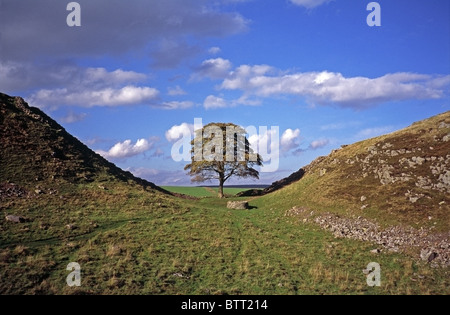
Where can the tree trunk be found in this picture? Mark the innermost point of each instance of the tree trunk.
(221, 183)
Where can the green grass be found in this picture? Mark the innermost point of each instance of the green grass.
(189, 191)
(204, 191)
(148, 243)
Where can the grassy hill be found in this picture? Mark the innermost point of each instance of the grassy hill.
(399, 178)
(130, 237)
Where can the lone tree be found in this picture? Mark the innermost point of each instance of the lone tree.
(221, 151)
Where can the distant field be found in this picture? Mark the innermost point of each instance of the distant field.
(204, 191)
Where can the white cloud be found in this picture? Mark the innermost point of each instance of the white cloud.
(214, 50)
(176, 91)
(309, 3)
(176, 105)
(126, 149)
(109, 97)
(177, 132)
(66, 84)
(318, 144)
(214, 102)
(333, 88)
(290, 140)
(213, 68)
(264, 142)
(16, 76)
(73, 117)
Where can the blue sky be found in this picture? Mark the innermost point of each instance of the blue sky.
(133, 77)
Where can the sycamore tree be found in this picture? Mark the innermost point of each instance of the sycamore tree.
(221, 151)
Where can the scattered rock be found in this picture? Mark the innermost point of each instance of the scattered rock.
(392, 239)
(375, 251)
(444, 125)
(363, 198)
(428, 254)
(9, 190)
(238, 205)
(15, 219)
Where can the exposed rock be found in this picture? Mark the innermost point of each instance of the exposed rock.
(363, 198)
(444, 125)
(238, 205)
(375, 251)
(15, 219)
(434, 247)
(446, 138)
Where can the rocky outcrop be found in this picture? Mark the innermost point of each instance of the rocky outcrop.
(429, 246)
(416, 165)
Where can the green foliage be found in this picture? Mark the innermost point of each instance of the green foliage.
(221, 151)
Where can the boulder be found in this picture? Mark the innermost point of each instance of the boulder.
(238, 205)
(15, 219)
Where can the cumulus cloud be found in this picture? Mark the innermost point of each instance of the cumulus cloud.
(333, 88)
(213, 68)
(309, 3)
(67, 84)
(318, 144)
(178, 131)
(214, 102)
(290, 140)
(214, 50)
(27, 76)
(126, 149)
(176, 91)
(109, 97)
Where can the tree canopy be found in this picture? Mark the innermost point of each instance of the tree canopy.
(221, 151)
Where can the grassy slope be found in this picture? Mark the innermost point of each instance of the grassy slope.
(149, 243)
(203, 191)
(133, 239)
(341, 188)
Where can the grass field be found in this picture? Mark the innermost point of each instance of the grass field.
(132, 241)
(203, 191)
